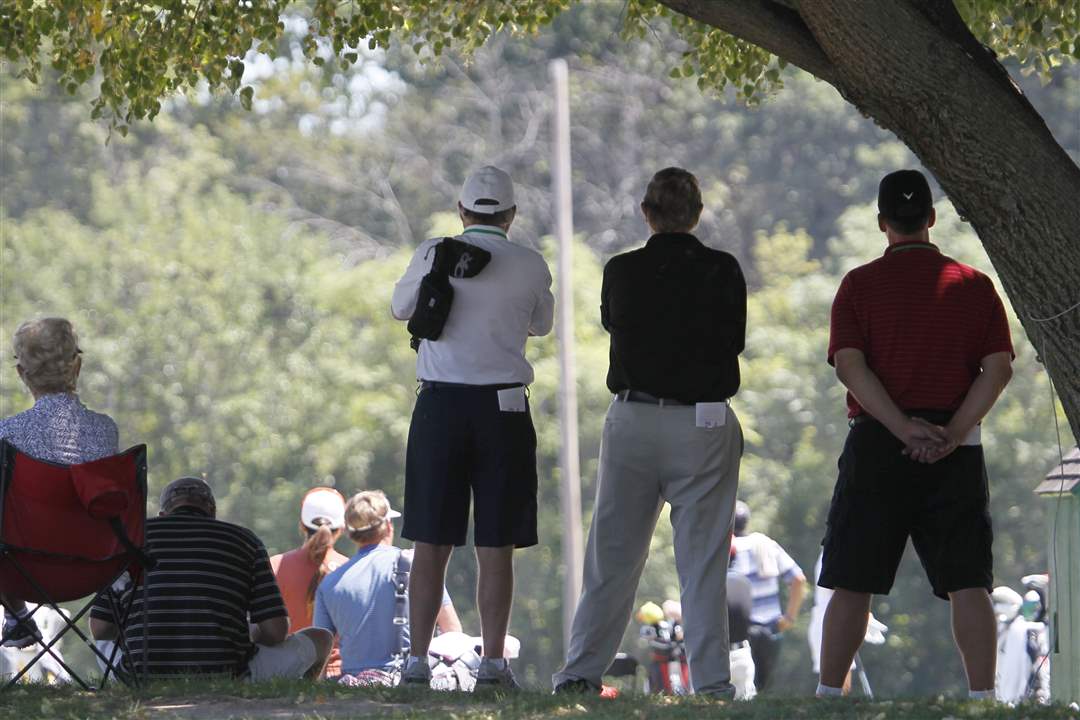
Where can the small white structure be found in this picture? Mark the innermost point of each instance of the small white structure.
(1062, 487)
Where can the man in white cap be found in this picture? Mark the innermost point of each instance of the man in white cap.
(364, 601)
(471, 431)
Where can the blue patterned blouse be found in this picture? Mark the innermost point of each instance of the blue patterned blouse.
(60, 429)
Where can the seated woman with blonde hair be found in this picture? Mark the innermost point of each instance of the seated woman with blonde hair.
(58, 428)
(300, 570)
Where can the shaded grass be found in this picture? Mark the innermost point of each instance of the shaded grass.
(229, 700)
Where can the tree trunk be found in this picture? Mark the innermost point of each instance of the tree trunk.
(915, 69)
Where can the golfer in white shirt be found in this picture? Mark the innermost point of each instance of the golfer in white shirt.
(471, 435)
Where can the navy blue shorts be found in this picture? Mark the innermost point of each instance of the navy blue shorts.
(462, 447)
(882, 498)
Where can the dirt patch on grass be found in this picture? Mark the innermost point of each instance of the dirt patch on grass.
(233, 708)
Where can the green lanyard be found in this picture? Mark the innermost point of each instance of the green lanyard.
(484, 231)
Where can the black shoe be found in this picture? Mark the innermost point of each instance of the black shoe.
(416, 675)
(21, 634)
(491, 676)
(576, 686)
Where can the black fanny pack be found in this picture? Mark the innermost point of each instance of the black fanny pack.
(453, 258)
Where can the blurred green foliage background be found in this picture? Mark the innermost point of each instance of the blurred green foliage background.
(230, 272)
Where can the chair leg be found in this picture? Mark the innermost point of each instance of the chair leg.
(69, 624)
(122, 614)
(111, 665)
(47, 648)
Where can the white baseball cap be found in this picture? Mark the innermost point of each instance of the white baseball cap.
(367, 510)
(488, 190)
(323, 503)
(1006, 602)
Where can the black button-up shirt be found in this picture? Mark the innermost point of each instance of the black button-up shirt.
(676, 312)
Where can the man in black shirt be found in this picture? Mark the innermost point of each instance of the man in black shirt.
(676, 312)
(212, 578)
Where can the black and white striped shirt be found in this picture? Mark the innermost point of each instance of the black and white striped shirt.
(212, 577)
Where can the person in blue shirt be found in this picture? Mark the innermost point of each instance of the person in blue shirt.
(359, 600)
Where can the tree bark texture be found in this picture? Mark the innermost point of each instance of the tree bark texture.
(915, 69)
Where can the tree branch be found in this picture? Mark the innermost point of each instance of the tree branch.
(769, 24)
(910, 66)
(944, 15)
(878, 50)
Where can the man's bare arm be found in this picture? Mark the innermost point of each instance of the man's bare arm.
(270, 632)
(856, 375)
(984, 392)
(796, 592)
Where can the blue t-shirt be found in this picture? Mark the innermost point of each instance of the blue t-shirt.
(357, 602)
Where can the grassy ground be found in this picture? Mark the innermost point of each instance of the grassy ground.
(222, 700)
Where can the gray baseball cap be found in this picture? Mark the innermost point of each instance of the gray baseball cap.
(187, 491)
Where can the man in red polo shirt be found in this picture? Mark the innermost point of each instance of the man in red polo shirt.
(922, 344)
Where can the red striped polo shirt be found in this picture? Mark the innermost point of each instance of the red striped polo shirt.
(924, 322)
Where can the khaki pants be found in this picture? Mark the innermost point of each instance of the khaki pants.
(289, 659)
(650, 454)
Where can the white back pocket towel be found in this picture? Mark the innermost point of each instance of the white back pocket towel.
(711, 414)
(512, 400)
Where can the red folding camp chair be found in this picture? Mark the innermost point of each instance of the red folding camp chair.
(69, 531)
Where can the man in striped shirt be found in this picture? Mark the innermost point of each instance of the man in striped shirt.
(922, 344)
(212, 579)
(764, 563)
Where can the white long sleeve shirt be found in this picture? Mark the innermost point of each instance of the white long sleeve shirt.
(493, 313)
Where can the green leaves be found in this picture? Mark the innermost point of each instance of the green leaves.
(143, 53)
(718, 60)
(140, 53)
(236, 73)
(1040, 35)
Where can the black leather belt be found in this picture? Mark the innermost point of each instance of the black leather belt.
(644, 397)
(437, 385)
(938, 417)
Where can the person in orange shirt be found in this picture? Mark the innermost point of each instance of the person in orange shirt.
(299, 571)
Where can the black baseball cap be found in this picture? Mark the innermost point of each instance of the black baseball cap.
(904, 200)
(742, 517)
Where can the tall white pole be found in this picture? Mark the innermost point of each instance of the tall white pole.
(570, 489)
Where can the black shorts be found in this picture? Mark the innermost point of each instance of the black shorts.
(460, 445)
(882, 498)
